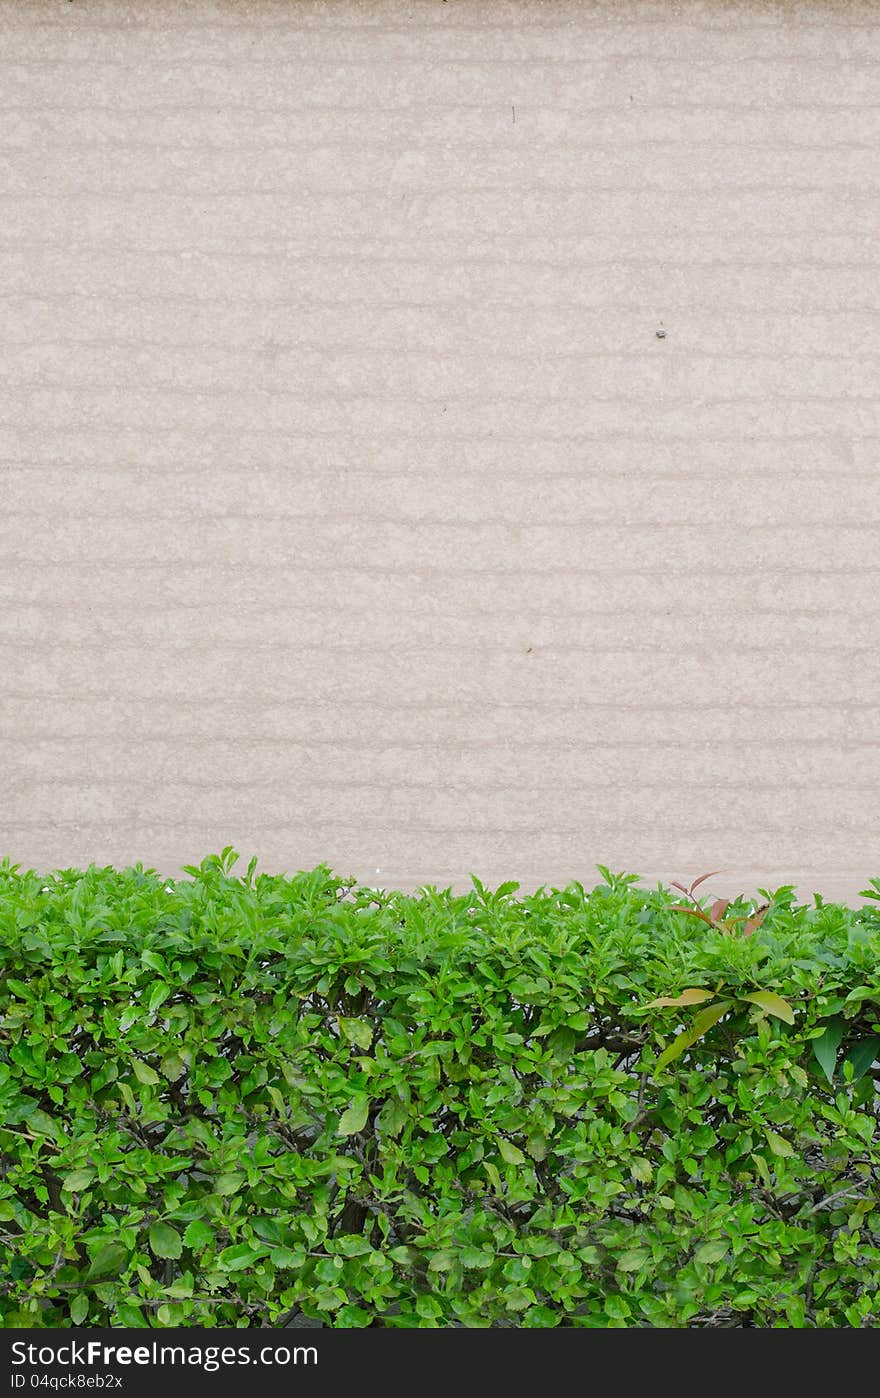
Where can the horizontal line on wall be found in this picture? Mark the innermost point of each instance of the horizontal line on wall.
(218, 442)
(308, 437)
(588, 524)
(271, 243)
(455, 24)
(100, 193)
(608, 108)
(536, 139)
(303, 257)
(52, 144)
(386, 650)
(268, 243)
(346, 606)
(244, 252)
(378, 747)
(525, 308)
(583, 314)
(369, 829)
(454, 570)
(257, 358)
(386, 784)
(839, 442)
(831, 444)
(275, 701)
(685, 263)
(341, 476)
(715, 651)
(292, 474)
(187, 65)
(609, 18)
(652, 396)
(472, 350)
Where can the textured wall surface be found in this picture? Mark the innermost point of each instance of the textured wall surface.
(353, 508)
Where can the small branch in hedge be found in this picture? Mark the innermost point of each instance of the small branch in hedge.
(56, 1266)
(154, 1302)
(643, 1112)
(847, 1193)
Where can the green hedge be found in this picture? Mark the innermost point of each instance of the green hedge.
(247, 1101)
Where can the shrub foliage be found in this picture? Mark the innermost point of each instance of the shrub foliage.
(245, 1101)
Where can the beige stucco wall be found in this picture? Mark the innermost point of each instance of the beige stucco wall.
(352, 508)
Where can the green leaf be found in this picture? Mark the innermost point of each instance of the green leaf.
(41, 1124)
(711, 1252)
(352, 1245)
(541, 1318)
(509, 1152)
(277, 1101)
(108, 1261)
(392, 1118)
(173, 1066)
(773, 1004)
(561, 1043)
(778, 1144)
(165, 1241)
(478, 1258)
(287, 1258)
(687, 997)
(590, 1255)
(537, 1146)
(701, 1023)
(144, 1073)
(79, 1308)
(355, 1117)
(492, 1175)
(241, 1255)
(825, 1048)
(357, 1032)
(428, 1308)
(862, 1055)
(404, 1256)
(763, 1170)
(353, 1317)
(229, 1183)
(616, 1307)
(443, 1261)
(77, 1180)
(131, 1316)
(157, 996)
(198, 1235)
(127, 1096)
(632, 1260)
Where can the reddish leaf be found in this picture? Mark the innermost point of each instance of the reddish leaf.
(703, 877)
(692, 912)
(753, 923)
(719, 908)
(678, 885)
